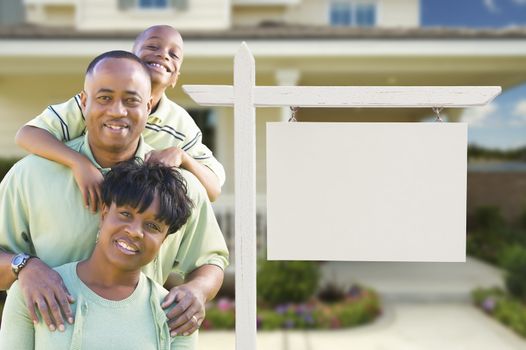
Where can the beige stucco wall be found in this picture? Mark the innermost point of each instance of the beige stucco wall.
(255, 15)
(399, 13)
(105, 15)
(391, 13)
(52, 15)
(24, 96)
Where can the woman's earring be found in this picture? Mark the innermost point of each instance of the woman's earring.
(97, 238)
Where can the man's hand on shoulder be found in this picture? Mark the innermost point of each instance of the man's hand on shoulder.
(43, 287)
(188, 313)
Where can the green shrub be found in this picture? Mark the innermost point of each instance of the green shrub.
(488, 217)
(522, 219)
(514, 262)
(219, 319)
(280, 282)
(359, 306)
(269, 319)
(503, 307)
(488, 244)
(490, 236)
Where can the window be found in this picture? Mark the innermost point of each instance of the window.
(341, 14)
(365, 15)
(178, 5)
(347, 13)
(206, 120)
(157, 4)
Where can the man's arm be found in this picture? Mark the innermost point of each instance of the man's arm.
(41, 286)
(200, 286)
(7, 276)
(200, 256)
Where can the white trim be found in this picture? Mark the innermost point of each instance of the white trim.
(280, 48)
(350, 96)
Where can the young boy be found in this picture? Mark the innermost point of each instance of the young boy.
(170, 129)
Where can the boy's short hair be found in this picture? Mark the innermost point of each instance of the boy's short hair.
(119, 54)
(135, 183)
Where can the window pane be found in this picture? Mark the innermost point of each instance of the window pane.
(153, 3)
(365, 15)
(160, 3)
(340, 14)
(206, 120)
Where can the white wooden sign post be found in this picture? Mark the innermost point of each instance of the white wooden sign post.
(245, 96)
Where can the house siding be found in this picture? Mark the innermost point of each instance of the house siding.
(106, 15)
(391, 13)
(399, 13)
(51, 15)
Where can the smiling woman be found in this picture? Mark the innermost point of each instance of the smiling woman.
(116, 305)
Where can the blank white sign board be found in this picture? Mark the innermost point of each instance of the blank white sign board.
(366, 191)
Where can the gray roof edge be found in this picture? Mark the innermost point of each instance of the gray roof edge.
(270, 32)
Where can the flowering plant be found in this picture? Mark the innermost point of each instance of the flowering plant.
(358, 306)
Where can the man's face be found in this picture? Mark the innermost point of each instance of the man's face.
(161, 48)
(116, 102)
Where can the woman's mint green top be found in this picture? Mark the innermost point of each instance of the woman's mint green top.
(137, 322)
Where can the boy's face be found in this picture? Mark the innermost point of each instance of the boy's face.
(161, 48)
(116, 102)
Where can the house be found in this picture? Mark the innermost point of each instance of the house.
(46, 44)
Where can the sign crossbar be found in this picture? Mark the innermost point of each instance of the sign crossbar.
(350, 96)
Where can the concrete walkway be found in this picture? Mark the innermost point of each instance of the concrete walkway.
(426, 307)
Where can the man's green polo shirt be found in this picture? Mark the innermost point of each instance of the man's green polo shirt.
(42, 213)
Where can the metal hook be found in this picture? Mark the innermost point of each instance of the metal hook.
(293, 111)
(437, 111)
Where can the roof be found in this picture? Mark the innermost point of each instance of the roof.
(271, 31)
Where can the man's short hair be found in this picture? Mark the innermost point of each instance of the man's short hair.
(135, 183)
(119, 54)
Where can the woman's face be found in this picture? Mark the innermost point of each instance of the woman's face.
(131, 239)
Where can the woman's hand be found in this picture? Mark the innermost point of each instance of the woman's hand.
(186, 317)
(89, 180)
(43, 287)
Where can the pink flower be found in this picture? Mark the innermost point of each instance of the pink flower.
(225, 304)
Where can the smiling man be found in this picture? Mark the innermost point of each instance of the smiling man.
(44, 224)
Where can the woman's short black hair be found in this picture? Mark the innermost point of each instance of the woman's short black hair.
(135, 183)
